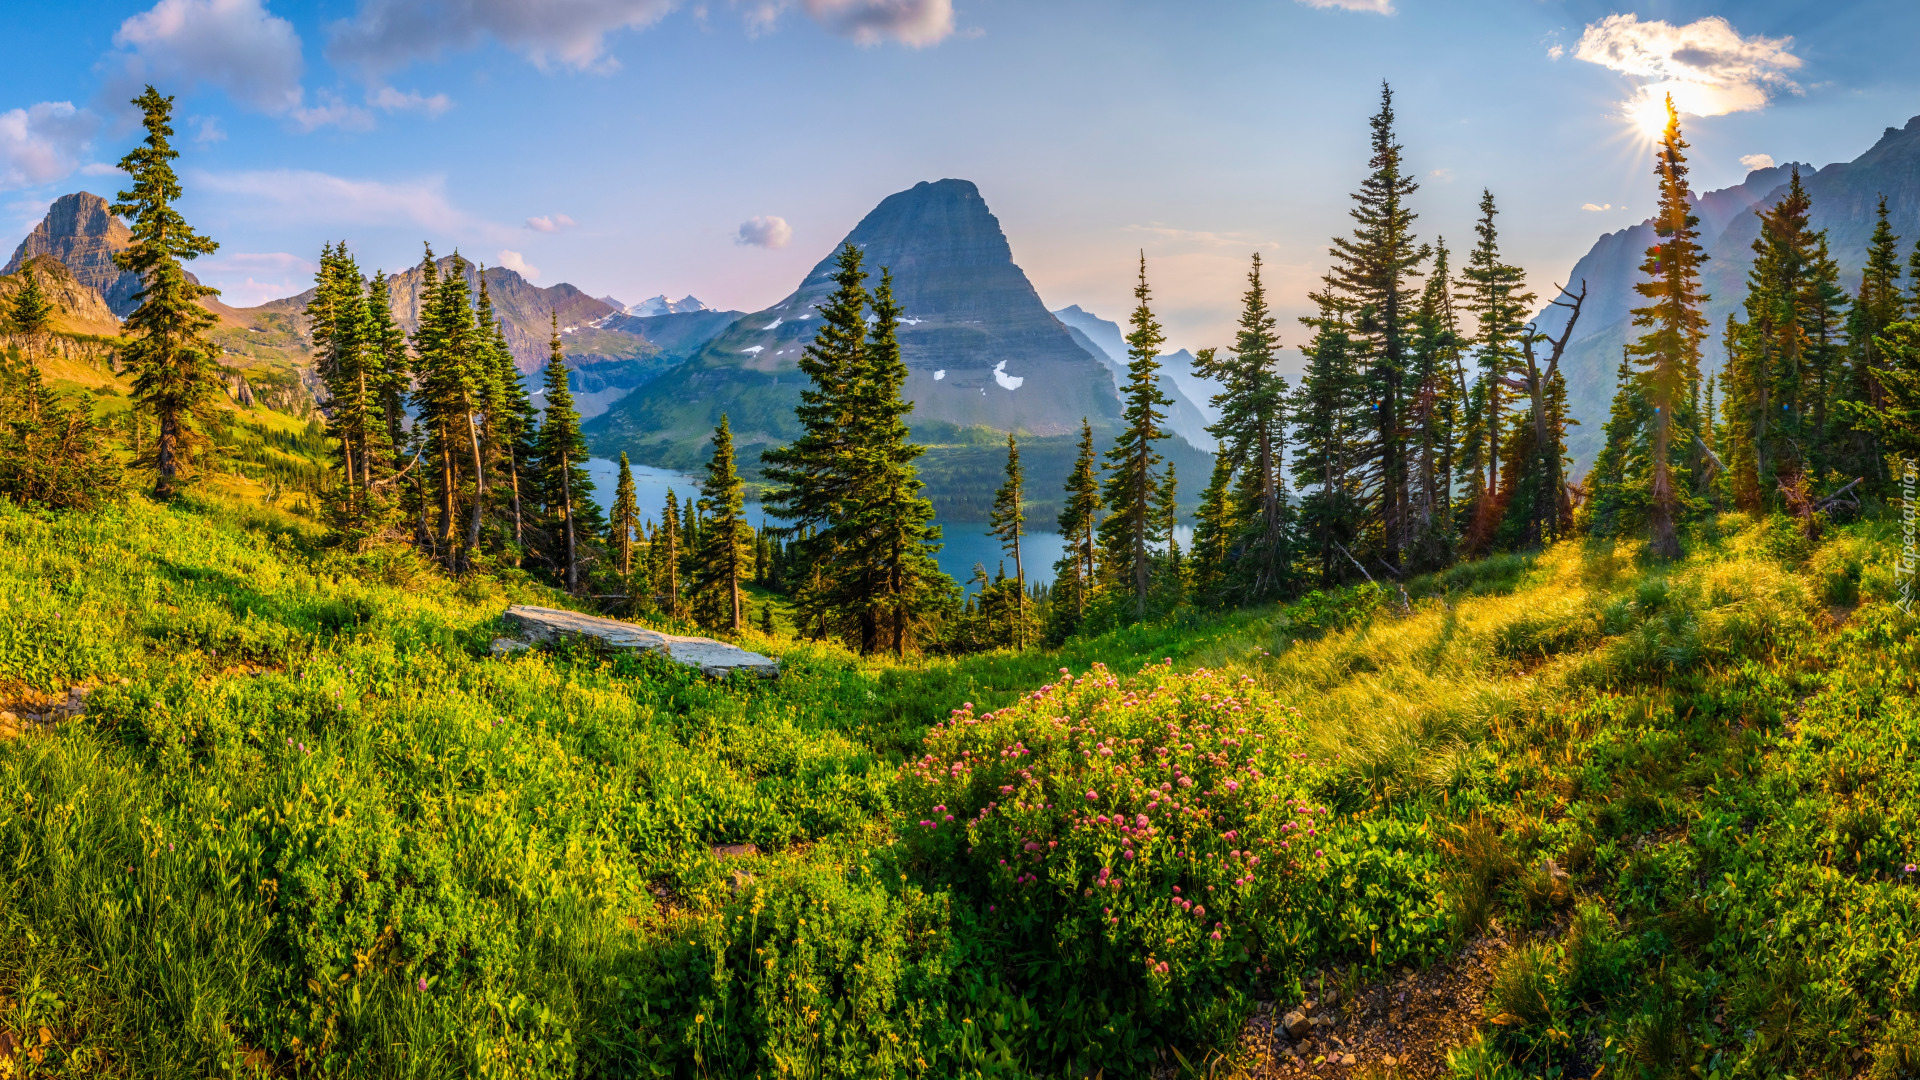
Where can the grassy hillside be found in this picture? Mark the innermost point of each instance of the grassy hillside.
(307, 825)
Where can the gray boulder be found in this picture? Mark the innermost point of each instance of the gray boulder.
(540, 626)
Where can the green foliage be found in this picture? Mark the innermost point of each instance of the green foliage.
(53, 452)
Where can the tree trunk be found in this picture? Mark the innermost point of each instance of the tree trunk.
(166, 454)
(566, 516)
(1020, 605)
(1662, 542)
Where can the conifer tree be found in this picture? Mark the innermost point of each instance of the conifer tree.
(1252, 435)
(893, 522)
(174, 373)
(725, 558)
(1166, 525)
(1076, 570)
(53, 453)
(664, 553)
(386, 345)
(1328, 427)
(31, 313)
(1877, 306)
(1215, 526)
(624, 519)
(1375, 272)
(1494, 292)
(566, 487)
(348, 365)
(812, 477)
(1434, 414)
(1668, 354)
(1005, 522)
(1617, 491)
(1127, 533)
(1771, 352)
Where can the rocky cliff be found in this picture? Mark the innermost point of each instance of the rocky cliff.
(81, 232)
(77, 308)
(1845, 196)
(1191, 396)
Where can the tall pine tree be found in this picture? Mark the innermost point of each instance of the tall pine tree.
(1126, 535)
(725, 558)
(1006, 522)
(1075, 573)
(1667, 356)
(565, 486)
(173, 366)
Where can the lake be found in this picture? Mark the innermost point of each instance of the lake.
(965, 543)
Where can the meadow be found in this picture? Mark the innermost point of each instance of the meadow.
(308, 826)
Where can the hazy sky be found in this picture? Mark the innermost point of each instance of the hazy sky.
(720, 148)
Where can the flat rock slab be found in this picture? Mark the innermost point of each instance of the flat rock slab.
(545, 625)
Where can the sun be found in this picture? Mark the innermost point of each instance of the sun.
(1648, 115)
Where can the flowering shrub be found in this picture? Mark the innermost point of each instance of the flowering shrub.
(1159, 836)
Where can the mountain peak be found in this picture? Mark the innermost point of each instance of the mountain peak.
(81, 231)
(660, 305)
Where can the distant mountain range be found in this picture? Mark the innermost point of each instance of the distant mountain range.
(1845, 197)
(1192, 396)
(984, 357)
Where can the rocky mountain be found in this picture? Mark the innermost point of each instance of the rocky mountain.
(984, 357)
(678, 333)
(83, 234)
(1845, 196)
(77, 307)
(1192, 396)
(660, 305)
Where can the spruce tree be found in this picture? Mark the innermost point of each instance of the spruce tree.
(1771, 351)
(1329, 427)
(812, 478)
(1877, 306)
(726, 540)
(173, 363)
(624, 519)
(1375, 272)
(1252, 436)
(1434, 413)
(1127, 533)
(1166, 525)
(665, 554)
(897, 539)
(31, 314)
(1494, 292)
(1616, 487)
(1667, 356)
(1006, 522)
(1215, 527)
(566, 487)
(1079, 511)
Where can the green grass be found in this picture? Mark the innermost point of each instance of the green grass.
(308, 826)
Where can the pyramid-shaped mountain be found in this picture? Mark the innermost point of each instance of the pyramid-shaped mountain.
(84, 235)
(983, 353)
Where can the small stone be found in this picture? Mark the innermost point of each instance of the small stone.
(1553, 871)
(730, 851)
(1389, 1061)
(1295, 1024)
(1333, 998)
(506, 646)
(1347, 1059)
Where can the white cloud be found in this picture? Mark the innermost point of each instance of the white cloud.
(1596, 207)
(207, 129)
(42, 143)
(233, 44)
(1442, 175)
(331, 112)
(1706, 65)
(384, 35)
(517, 263)
(101, 168)
(1556, 52)
(388, 99)
(917, 23)
(1378, 7)
(304, 196)
(1757, 161)
(550, 224)
(766, 232)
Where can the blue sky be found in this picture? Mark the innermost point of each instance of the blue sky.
(628, 146)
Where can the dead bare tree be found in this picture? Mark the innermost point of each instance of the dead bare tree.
(1551, 509)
